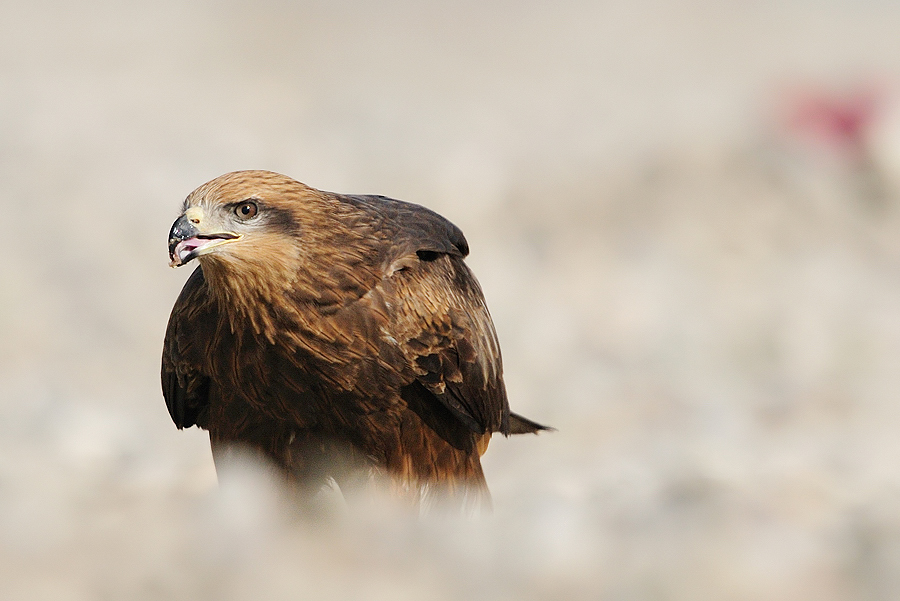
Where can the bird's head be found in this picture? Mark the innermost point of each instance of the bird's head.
(237, 217)
(259, 235)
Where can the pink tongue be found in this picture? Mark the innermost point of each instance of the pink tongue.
(186, 247)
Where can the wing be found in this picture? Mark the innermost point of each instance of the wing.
(443, 327)
(410, 228)
(439, 315)
(191, 324)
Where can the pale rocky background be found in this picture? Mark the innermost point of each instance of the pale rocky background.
(692, 279)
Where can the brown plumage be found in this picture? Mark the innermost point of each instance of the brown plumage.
(338, 336)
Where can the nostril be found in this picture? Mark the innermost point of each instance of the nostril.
(195, 220)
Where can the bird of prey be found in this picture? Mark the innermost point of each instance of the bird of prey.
(335, 336)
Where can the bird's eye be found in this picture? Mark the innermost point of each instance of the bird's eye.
(246, 210)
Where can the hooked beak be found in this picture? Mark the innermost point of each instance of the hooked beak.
(186, 242)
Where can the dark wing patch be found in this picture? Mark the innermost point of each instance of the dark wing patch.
(437, 416)
(185, 387)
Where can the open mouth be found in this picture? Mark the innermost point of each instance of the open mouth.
(191, 248)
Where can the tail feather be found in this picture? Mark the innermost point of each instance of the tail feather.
(523, 425)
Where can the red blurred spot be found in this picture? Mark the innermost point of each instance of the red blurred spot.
(841, 120)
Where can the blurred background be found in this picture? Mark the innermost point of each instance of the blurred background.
(684, 216)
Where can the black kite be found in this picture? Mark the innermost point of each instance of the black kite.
(336, 335)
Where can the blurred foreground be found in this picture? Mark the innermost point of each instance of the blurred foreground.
(685, 220)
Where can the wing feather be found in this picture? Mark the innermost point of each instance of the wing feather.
(436, 311)
(191, 326)
(446, 334)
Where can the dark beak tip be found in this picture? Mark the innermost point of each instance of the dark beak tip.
(181, 230)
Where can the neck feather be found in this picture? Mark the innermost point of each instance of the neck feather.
(251, 294)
